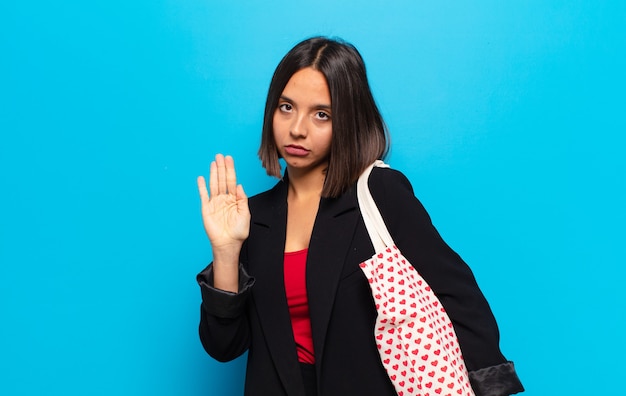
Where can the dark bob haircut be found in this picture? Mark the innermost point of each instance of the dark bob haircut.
(359, 134)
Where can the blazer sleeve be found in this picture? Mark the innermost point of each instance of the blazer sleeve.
(224, 328)
(450, 278)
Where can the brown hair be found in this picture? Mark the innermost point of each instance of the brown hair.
(359, 135)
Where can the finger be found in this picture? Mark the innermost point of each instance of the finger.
(241, 195)
(231, 176)
(221, 174)
(204, 194)
(242, 199)
(213, 179)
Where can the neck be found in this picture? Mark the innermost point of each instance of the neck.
(304, 185)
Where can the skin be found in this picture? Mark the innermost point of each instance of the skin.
(303, 120)
(302, 130)
(226, 218)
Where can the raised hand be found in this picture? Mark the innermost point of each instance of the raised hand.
(226, 218)
(225, 211)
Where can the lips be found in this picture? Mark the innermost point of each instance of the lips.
(296, 150)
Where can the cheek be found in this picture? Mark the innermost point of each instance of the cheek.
(329, 135)
(327, 140)
(278, 126)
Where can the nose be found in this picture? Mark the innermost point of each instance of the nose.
(298, 127)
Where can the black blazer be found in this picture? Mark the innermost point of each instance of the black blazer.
(341, 305)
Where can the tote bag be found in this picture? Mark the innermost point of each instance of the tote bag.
(415, 337)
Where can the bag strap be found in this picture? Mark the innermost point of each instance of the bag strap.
(374, 222)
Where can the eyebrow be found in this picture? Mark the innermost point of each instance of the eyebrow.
(317, 106)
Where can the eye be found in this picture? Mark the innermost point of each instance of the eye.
(285, 107)
(320, 115)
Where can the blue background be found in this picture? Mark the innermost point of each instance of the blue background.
(507, 116)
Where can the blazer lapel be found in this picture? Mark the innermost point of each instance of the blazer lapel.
(330, 243)
(268, 294)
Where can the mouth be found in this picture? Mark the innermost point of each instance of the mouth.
(295, 150)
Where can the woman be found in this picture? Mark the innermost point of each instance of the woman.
(285, 284)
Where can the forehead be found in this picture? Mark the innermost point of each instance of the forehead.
(307, 83)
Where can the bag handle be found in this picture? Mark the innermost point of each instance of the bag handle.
(374, 222)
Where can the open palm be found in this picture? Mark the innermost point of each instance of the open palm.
(225, 211)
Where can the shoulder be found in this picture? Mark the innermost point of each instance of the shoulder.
(393, 193)
(389, 182)
(270, 197)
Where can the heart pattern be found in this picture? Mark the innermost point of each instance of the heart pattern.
(414, 335)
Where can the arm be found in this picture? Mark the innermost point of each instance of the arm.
(224, 330)
(226, 219)
(451, 279)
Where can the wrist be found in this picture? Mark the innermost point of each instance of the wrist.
(227, 253)
(226, 267)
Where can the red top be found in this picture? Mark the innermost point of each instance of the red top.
(295, 288)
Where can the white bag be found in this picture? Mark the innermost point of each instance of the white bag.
(414, 335)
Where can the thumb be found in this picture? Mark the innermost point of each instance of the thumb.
(242, 198)
(240, 193)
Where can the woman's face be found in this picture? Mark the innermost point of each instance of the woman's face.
(302, 122)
